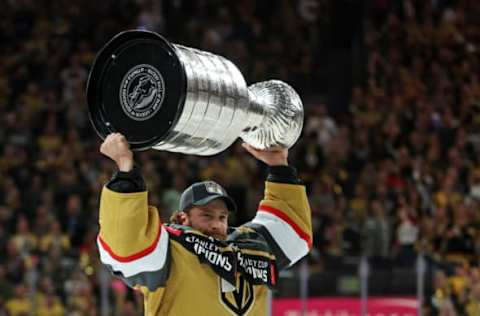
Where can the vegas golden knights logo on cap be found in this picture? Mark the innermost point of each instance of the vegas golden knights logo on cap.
(213, 187)
(239, 301)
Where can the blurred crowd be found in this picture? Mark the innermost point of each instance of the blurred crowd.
(401, 173)
(396, 175)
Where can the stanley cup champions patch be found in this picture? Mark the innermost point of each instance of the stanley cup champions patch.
(228, 258)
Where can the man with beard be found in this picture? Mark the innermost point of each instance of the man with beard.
(197, 265)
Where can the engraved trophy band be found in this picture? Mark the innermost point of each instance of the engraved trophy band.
(175, 98)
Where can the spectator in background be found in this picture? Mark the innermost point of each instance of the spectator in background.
(376, 234)
(54, 239)
(23, 239)
(6, 290)
(441, 300)
(47, 301)
(171, 196)
(473, 305)
(407, 235)
(460, 246)
(74, 222)
(19, 304)
(323, 126)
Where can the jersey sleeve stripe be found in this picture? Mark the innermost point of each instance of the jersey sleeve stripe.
(284, 235)
(133, 257)
(302, 234)
(152, 260)
(152, 280)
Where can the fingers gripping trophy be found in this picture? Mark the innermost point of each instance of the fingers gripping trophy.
(175, 98)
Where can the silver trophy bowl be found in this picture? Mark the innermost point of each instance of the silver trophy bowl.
(175, 98)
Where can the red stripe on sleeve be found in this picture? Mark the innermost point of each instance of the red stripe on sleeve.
(273, 277)
(290, 222)
(135, 256)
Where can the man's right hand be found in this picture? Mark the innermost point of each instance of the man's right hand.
(116, 147)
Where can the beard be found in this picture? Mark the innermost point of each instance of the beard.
(220, 237)
(215, 235)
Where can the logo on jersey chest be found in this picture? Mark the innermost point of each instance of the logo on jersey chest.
(239, 301)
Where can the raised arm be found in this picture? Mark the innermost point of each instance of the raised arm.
(283, 217)
(132, 242)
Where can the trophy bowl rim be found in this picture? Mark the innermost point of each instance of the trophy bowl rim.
(97, 75)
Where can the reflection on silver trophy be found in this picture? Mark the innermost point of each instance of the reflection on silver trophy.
(171, 97)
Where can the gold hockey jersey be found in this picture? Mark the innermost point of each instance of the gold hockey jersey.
(183, 272)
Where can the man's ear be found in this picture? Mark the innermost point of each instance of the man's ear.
(180, 218)
(183, 218)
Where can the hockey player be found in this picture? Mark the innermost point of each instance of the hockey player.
(199, 265)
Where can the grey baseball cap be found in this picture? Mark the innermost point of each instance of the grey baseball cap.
(202, 193)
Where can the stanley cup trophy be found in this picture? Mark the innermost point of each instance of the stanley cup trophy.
(170, 97)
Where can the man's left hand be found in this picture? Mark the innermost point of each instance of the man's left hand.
(273, 156)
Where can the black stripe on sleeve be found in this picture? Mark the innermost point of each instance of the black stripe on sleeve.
(127, 182)
(283, 174)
